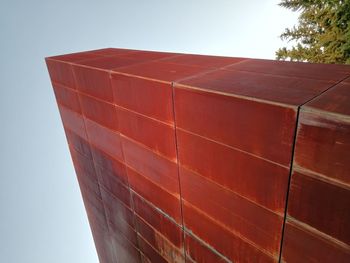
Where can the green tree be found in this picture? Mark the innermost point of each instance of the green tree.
(322, 34)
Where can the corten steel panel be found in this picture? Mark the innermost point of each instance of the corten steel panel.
(318, 214)
(187, 158)
(235, 135)
(143, 96)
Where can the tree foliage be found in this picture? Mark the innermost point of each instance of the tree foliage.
(322, 34)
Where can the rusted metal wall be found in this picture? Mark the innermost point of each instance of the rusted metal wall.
(190, 158)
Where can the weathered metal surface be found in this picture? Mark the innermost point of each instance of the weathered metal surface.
(319, 198)
(190, 158)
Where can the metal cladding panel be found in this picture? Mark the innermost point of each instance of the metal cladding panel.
(193, 158)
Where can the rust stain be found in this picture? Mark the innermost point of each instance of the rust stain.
(167, 250)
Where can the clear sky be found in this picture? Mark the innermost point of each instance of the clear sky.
(42, 218)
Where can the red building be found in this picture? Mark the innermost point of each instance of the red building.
(191, 158)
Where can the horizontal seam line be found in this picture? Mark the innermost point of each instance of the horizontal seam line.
(145, 116)
(158, 232)
(174, 161)
(155, 249)
(152, 181)
(321, 177)
(231, 191)
(154, 207)
(188, 232)
(233, 213)
(304, 226)
(244, 97)
(251, 243)
(232, 147)
(120, 232)
(314, 110)
(79, 92)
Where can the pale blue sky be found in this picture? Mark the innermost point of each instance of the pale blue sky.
(42, 218)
